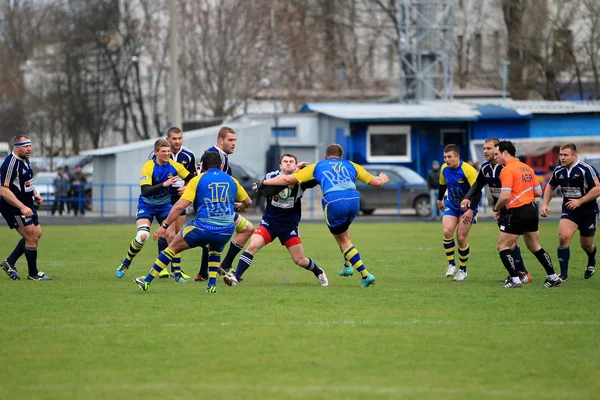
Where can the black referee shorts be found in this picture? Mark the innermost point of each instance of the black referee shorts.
(522, 219)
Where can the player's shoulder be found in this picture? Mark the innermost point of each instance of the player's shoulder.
(149, 163)
(585, 167)
(486, 164)
(272, 174)
(187, 151)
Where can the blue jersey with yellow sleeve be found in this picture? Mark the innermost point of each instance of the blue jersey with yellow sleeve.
(153, 174)
(214, 193)
(458, 180)
(334, 175)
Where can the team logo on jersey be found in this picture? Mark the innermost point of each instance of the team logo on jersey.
(6, 182)
(144, 178)
(487, 175)
(184, 162)
(461, 181)
(576, 175)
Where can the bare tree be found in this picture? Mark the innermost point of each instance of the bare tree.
(225, 53)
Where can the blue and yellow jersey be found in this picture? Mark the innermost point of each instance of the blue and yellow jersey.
(214, 193)
(153, 174)
(458, 180)
(334, 174)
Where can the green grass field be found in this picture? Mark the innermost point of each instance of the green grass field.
(279, 335)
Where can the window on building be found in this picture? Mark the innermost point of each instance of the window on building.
(283, 131)
(454, 136)
(388, 143)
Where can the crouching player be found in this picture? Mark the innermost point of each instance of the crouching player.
(214, 193)
(280, 220)
(158, 175)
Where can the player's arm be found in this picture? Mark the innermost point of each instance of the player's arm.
(304, 175)
(365, 177)
(174, 214)
(309, 185)
(476, 187)
(241, 197)
(10, 198)
(506, 179)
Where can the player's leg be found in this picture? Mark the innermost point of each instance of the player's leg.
(258, 240)
(244, 230)
(587, 231)
(449, 223)
(506, 241)
(339, 214)
(532, 240)
(176, 245)
(566, 230)
(9, 264)
(203, 272)
(216, 245)
(294, 246)
(176, 270)
(143, 234)
(32, 234)
(462, 233)
(524, 275)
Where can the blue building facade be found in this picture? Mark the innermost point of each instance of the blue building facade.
(414, 135)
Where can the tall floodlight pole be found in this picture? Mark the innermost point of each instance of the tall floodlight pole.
(175, 111)
(425, 48)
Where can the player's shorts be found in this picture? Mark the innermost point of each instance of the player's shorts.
(454, 210)
(501, 216)
(175, 199)
(585, 220)
(150, 211)
(195, 233)
(340, 209)
(17, 220)
(522, 219)
(287, 234)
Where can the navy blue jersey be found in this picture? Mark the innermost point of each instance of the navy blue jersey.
(225, 167)
(16, 174)
(490, 174)
(285, 206)
(576, 182)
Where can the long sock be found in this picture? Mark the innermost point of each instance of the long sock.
(449, 248)
(352, 255)
(508, 260)
(134, 248)
(162, 244)
(519, 263)
(564, 254)
(591, 258)
(244, 263)
(544, 259)
(18, 252)
(161, 263)
(203, 272)
(234, 250)
(214, 259)
(176, 266)
(31, 256)
(463, 257)
(312, 266)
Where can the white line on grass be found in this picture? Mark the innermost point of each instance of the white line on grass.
(299, 390)
(284, 324)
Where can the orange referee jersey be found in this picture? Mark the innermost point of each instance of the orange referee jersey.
(520, 179)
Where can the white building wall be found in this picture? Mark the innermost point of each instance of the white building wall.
(119, 167)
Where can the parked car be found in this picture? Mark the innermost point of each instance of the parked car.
(246, 176)
(44, 184)
(413, 193)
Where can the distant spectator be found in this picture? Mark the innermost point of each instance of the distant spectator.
(433, 183)
(76, 193)
(61, 191)
(67, 173)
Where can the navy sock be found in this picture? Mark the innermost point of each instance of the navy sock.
(233, 251)
(591, 258)
(564, 254)
(204, 263)
(244, 263)
(312, 266)
(31, 256)
(162, 245)
(16, 253)
(519, 259)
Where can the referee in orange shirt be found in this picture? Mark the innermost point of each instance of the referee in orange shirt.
(520, 187)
